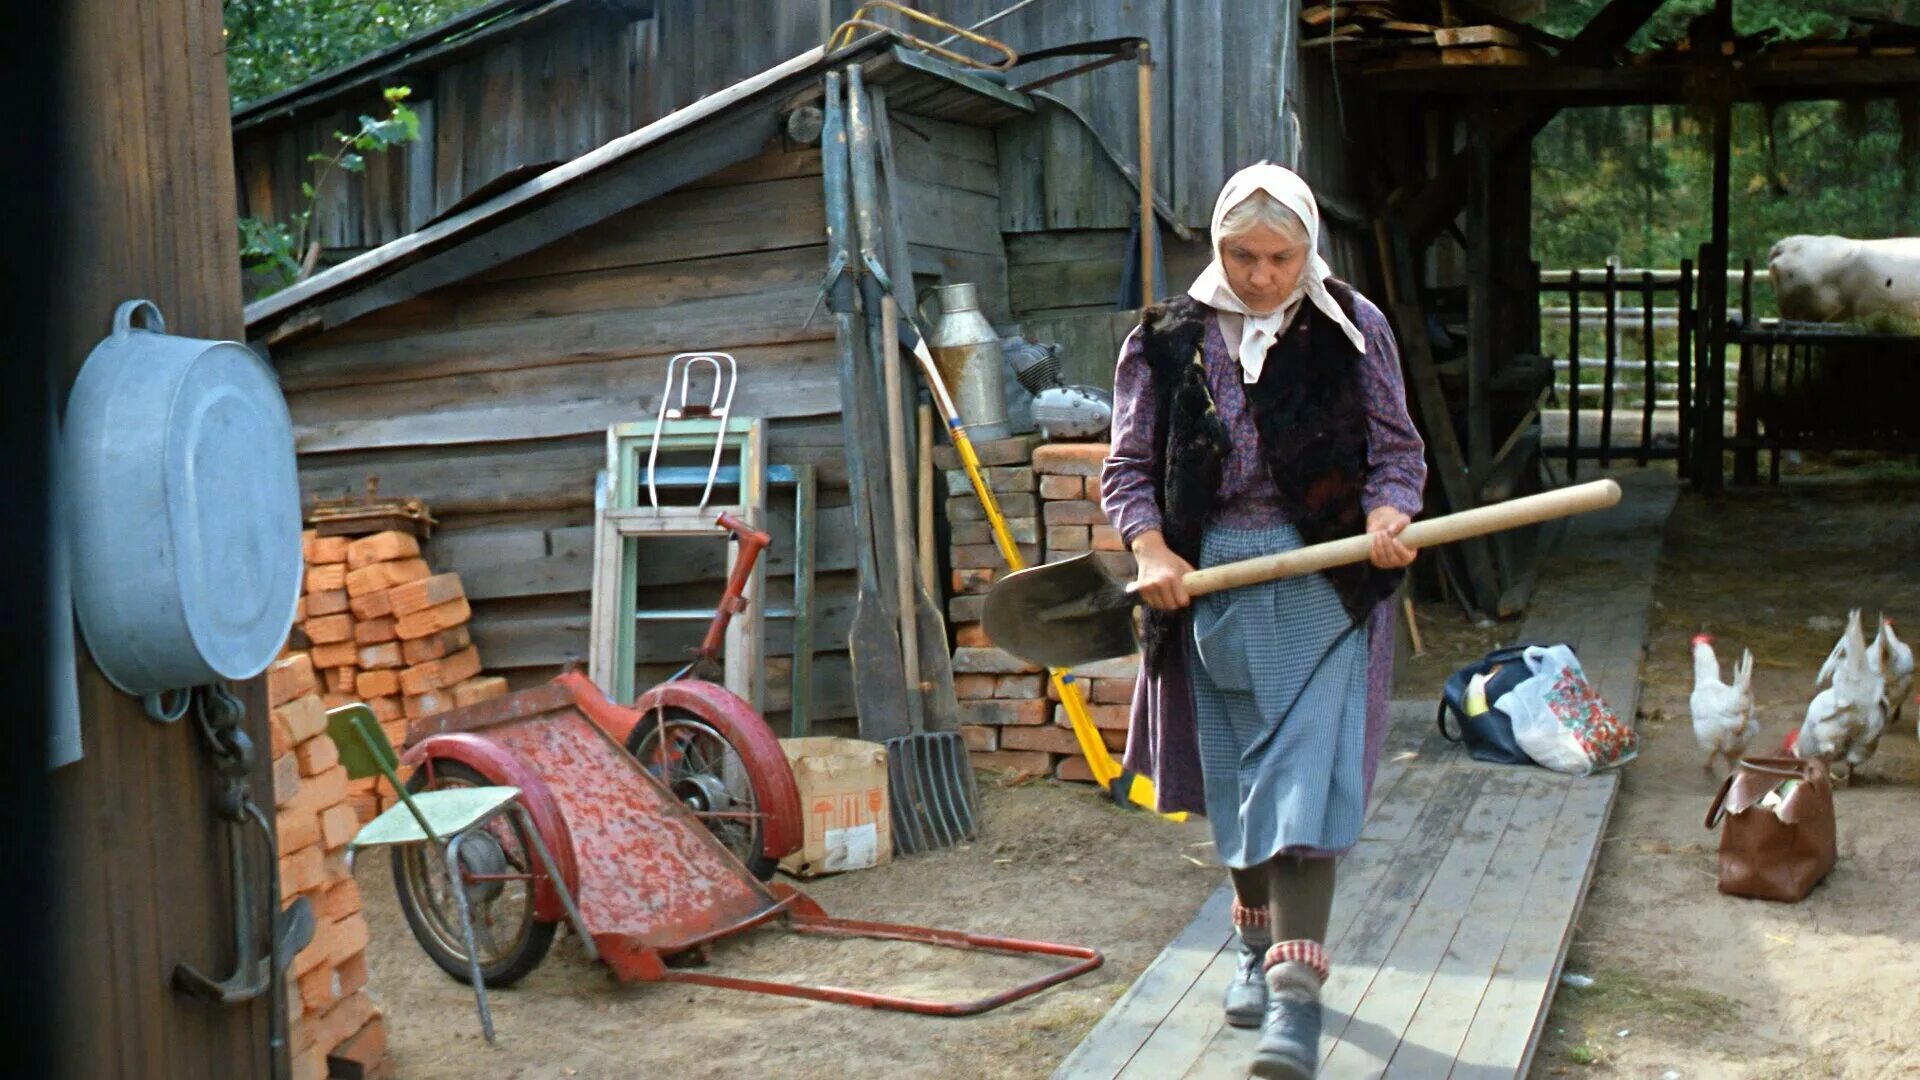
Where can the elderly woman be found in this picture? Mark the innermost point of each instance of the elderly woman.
(1261, 412)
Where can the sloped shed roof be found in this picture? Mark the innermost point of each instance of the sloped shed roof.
(712, 133)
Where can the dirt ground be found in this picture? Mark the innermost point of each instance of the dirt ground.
(1688, 983)
(1056, 862)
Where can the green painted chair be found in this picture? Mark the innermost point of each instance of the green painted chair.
(443, 819)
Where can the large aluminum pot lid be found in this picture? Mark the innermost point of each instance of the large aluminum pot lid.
(234, 509)
(230, 491)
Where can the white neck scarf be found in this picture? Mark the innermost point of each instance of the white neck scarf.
(1257, 332)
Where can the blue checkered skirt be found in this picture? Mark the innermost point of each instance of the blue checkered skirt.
(1279, 676)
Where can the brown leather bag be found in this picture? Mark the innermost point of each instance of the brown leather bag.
(1774, 850)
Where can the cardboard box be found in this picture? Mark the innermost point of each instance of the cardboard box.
(843, 802)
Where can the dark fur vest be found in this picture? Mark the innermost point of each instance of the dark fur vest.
(1310, 409)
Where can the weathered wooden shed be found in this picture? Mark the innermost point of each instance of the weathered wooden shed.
(477, 362)
(516, 86)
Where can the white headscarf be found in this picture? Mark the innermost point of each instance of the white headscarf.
(1256, 332)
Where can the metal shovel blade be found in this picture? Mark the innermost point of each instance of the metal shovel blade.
(1062, 614)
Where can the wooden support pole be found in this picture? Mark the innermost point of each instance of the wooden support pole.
(1746, 459)
(1149, 226)
(1687, 317)
(1711, 475)
(1573, 374)
(1425, 212)
(1480, 293)
(1612, 353)
(1429, 404)
(1651, 387)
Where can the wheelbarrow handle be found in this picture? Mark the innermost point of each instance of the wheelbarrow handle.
(752, 542)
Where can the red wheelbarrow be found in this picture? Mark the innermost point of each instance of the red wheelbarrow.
(653, 879)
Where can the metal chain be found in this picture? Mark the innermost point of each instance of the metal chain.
(220, 715)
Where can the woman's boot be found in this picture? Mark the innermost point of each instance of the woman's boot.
(1246, 997)
(1289, 1047)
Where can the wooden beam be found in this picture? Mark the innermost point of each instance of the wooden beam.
(1768, 77)
(1429, 403)
(1611, 28)
(1709, 474)
(1426, 212)
(1480, 292)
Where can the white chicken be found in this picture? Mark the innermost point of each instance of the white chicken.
(1723, 720)
(1890, 660)
(1896, 670)
(1844, 721)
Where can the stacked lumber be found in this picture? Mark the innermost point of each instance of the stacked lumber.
(381, 627)
(1376, 32)
(335, 1028)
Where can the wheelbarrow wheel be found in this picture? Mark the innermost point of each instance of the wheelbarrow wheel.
(510, 939)
(709, 777)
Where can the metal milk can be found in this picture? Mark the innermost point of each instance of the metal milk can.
(968, 354)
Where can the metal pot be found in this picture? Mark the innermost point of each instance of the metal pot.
(968, 354)
(183, 504)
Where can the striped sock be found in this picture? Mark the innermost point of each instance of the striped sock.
(1250, 921)
(1310, 955)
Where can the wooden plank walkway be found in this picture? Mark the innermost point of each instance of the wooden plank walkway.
(1452, 915)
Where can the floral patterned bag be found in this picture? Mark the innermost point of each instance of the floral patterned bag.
(1560, 720)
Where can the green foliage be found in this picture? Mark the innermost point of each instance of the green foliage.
(279, 250)
(1790, 17)
(1637, 182)
(274, 44)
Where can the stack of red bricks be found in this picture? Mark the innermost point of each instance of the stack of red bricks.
(335, 1030)
(382, 628)
(1010, 710)
(998, 692)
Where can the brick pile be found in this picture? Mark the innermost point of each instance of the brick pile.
(381, 627)
(335, 1029)
(1010, 711)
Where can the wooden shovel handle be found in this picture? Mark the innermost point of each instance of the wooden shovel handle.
(1512, 514)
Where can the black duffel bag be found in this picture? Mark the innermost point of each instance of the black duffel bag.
(1489, 735)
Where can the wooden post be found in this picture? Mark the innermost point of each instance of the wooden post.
(1480, 295)
(146, 171)
(1746, 428)
(1428, 403)
(1651, 393)
(806, 522)
(1684, 352)
(1149, 226)
(1573, 373)
(1713, 420)
(1612, 359)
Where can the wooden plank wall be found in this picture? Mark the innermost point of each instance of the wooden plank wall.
(141, 867)
(950, 199)
(490, 398)
(570, 83)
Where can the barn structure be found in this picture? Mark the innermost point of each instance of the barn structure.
(600, 185)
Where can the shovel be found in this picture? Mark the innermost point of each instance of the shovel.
(1075, 612)
(931, 777)
(879, 685)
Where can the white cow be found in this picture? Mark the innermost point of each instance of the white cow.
(1834, 279)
